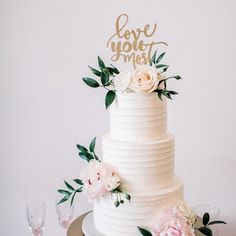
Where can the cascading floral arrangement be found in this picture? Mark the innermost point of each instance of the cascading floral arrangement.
(180, 220)
(144, 79)
(96, 179)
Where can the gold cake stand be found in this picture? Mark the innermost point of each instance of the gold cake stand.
(75, 228)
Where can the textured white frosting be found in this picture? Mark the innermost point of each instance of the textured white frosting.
(143, 208)
(138, 117)
(141, 165)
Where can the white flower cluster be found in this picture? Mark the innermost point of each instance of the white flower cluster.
(99, 178)
(144, 79)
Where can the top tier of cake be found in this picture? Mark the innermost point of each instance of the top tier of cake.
(138, 117)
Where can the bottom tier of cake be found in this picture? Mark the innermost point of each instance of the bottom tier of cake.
(143, 208)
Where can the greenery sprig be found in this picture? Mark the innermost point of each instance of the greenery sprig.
(205, 230)
(88, 154)
(70, 191)
(119, 196)
(105, 74)
(155, 60)
(144, 232)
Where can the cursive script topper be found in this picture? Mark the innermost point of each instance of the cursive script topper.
(132, 45)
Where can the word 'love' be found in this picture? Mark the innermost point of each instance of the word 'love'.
(130, 44)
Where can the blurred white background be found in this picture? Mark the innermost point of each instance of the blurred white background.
(45, 109)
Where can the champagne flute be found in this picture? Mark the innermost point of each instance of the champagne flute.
(35, 212)
(65, 214)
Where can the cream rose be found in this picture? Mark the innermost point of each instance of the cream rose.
(184, 210)
(144, 79)
(122, 81)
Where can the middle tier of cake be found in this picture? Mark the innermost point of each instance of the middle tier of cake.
(141, 165)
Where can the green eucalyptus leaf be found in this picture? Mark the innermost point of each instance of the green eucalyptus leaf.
(217, 222)
(127, 196)
(173, 92)
(96, 157)
(177, 77)
(167, 94)
(144, 232)
(101, 63)
(62, 191)
(160, 82)
(79, 190)
(160, 57)
(105, 78)
(95, 71)
(64, 199)
(206, 218)
(72, 198)
(206, 231)
(116, 71)
(81, 148)
(112, 70)
(69, 186)
(92, 145)
(117, 203)
(165, 69)
(86, 156)
(110, 96)
(159, 93)
(153, 59)
(161, 66)
(91, 82)
(78, 181)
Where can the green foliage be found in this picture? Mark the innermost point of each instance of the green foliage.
(70, 191)
(110, 96)
(205, 219)
(92, 145)
(119, 196)
(105, 74)
(162, 90)
(94, 71)
(205, 230)
(78, 181)
(86, 154)
(144, 232)
(91, 82)
(159, 58)
(127, 196)
(217, 222)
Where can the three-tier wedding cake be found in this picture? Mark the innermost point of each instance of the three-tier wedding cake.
(135, 180)
(142, 151)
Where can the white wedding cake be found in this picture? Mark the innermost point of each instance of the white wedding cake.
(133, 186)
(140, 148)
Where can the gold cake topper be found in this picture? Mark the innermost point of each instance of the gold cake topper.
(132, 45)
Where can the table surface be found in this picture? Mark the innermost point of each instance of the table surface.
(75, 228)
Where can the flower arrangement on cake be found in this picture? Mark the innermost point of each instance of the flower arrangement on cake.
(144, 79)
(96, 179)
(180, 220)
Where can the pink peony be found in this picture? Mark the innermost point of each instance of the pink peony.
(99, 178)
(171, 223)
